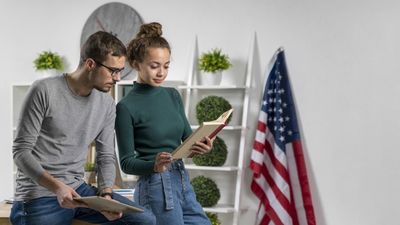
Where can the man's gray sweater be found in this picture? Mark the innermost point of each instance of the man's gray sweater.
(54, 131)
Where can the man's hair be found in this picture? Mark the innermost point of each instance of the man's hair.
(99, 45)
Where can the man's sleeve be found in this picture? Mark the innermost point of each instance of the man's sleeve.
(33, 111)
(105, 150)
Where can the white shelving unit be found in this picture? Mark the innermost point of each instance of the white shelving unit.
(228, 177)
(19, 91)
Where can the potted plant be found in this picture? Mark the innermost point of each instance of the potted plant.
(48, 61)
(206, 190)
(211, 107)
(211, 65)
(213, 217)
(216, 157)
(90, 173)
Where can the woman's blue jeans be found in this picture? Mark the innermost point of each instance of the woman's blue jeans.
(46, 210)
(171, 197)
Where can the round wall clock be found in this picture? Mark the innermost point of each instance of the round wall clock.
(119, 19)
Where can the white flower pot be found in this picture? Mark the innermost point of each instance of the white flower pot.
(89, 177)
(47, 73)
(206, 78)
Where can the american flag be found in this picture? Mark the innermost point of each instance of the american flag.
(279, 172)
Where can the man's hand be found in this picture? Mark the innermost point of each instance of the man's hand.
(163, 159)
(111, 215)
(65, 195)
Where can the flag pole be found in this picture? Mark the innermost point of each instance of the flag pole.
(280, 49)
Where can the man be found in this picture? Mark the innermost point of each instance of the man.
(60, 117)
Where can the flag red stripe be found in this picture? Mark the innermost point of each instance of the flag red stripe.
(275, 162)
(269, 211)
(256, 168)
(265, 221)
(303, 180)
(293, 212)
(277, 190)
(258, 146)
(261, 126)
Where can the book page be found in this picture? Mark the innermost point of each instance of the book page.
(183, 151)
(103, 204)
(207, 129)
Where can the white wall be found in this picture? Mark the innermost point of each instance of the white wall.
(343, 61)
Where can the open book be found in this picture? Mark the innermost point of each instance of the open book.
(104, 204)
(207, 129)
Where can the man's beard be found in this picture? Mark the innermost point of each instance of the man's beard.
(103, 89)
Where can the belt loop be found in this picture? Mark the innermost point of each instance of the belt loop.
(166, 182)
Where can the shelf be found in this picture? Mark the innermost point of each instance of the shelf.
(166, 83)
(220, 209)
(129, 178)
(212, 87)
(238, 95)
(194, 127)
(22, 84)
(211, 168)
(125, 82)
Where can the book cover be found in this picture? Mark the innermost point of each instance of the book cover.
(207, 129)
(104, 204)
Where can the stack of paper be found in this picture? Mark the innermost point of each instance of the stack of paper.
(127, 193)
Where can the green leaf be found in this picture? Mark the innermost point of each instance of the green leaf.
(206, 190)
(213, 61)
(211, 107)
(48, 60)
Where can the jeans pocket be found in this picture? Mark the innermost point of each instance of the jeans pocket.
(17, 215)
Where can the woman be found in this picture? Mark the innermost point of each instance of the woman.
(150, 124)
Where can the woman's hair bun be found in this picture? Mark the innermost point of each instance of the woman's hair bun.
(150, 30)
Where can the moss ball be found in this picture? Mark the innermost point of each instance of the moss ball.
(216, 157)
(206, 190)
(211, 107)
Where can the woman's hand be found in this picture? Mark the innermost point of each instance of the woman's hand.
(163, 159)
(203, 147)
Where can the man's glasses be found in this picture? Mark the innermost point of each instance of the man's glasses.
(114, 71)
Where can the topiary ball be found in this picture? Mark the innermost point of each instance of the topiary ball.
(216, 157)
(206, 190)
(211, 107)
(213, 217)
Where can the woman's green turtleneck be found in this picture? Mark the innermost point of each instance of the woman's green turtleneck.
(149, 120)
